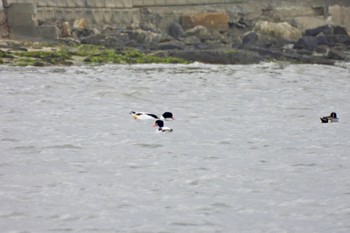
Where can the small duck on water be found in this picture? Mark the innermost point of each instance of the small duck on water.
(151, 116)
(331, 118)
(161, 128)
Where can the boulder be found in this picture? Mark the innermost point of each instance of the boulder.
(213, 21)
(173, 45)
(307, 42)
(336, 55)
(200, 32)
(65, 30)
(249, 38)
(175, 30)
(144, 37)
(80, 24)
(191, 40)
(339, 30)
(279, 30)
(325, 29)
(323, 39)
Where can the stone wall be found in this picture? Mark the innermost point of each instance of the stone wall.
(302, 13)
(4, 32)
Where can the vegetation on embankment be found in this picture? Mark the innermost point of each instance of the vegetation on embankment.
(36, 54)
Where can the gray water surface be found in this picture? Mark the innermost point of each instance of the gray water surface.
(248, 152)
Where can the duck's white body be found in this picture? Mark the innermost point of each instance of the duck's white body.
(143, 116)
(161, 128)
(150, 116)
(164, 130)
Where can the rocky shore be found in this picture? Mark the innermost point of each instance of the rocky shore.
(203, 37)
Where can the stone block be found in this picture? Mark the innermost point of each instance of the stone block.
(95, 3)
(69, 14)
(123, 4)
(177, 2)
(126, 19)
(138, 3)
(97, 16)
(72, 4)
(59, 12)
(52, 3)
(135, 15)
(340, 15)
(61, 3)
(307, 22)
(22, 32)
(22, 8)
(160, 2)
(116, 16)
(78, 3)
(100, 3)
(19, 20)
(79, 13)
(88, 15)
(110, 3)
(148, 2)
(41, 14)
(107, 16)
(46, 32)
(128, 4)
(49, 13)
(41, 3)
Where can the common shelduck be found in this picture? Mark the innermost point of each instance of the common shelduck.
(161, 128)
(331, 118)
(150, 116)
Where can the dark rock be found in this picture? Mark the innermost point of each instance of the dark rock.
(240, 24)
(306, 42)
(97, 39)
(322, 39)
(150, 27)
(171, 46)
(200, 32)
(321, 50)
(336, 55)
(342, 39)
(81, 34)
(176, 30)
(250, 38)
(332, 40)
(338, 30)
(326, 29)
(101, 39)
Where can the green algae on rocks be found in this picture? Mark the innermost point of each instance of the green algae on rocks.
(59, 54)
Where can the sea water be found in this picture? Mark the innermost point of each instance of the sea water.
(248, 152)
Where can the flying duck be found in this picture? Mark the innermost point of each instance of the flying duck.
(161, 128)
(331, 118)
(150, 116)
